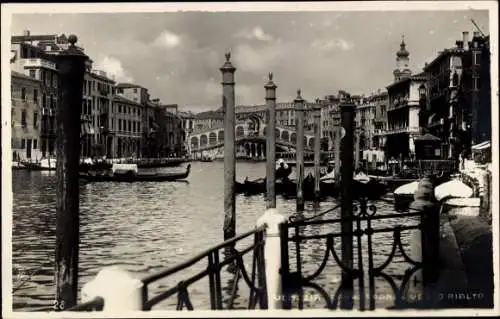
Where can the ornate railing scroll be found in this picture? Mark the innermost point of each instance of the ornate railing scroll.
(365, 272)
(255, 279)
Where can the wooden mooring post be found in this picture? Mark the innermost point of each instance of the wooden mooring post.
(271, 143)
(228, 105)
(346, 184)
(299, 167)
(317, 150)
(336, 145)
(71, 63)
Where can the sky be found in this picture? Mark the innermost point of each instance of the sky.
(177, 55)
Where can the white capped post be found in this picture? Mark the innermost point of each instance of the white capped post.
(272, 255)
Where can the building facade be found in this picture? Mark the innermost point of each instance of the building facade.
(34, 62)
(25, 117)
(458, 105)
(97, 135)
(127, 127)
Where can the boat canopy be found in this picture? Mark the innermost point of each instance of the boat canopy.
(481, 146)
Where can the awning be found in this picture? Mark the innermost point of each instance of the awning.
(427, 137)
(481, 146)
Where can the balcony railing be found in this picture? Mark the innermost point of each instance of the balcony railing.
(397, 131)
(37, 63)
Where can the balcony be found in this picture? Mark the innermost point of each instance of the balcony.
(397, 131)
(104, 92)
(40, 63)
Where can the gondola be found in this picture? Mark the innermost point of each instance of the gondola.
(251, 187)
(131, 176)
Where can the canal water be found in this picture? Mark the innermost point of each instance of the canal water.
(147, 227)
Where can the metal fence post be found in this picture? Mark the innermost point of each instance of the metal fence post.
(271, 143)
(272, 253)
(346, 182)
(317, 150)
(71, 64)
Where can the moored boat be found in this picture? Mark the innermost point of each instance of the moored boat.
(404, 195)
(129, 173)
(45, 164)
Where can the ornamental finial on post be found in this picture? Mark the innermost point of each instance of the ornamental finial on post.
(228, 55)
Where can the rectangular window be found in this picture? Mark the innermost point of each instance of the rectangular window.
(23, 143)
(35, 96)
(119, 124)
(23, 94)
(32, 73)
(135, 90)
(35, 119)
(477, 58)
(119, 108)
(129, 126)
(477, 83)
(35, 144)
(23, 118)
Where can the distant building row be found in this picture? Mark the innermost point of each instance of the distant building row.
(118, 119)
(449, 101)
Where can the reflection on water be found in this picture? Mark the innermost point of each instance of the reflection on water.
(145, 227)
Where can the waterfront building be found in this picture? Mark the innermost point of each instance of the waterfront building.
(208, 120)
(370, 121)
(29, 59)
(25, 117)
(403, 109)
(97, 116)
(458, 105)
(381, 101)
(187, 124)
(128, 128)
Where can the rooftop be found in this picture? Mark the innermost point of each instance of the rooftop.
(122, 99)
(128, 86)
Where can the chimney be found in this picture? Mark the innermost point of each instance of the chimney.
(26, 33)
(465, 39)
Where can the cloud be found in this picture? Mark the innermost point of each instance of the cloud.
(113, 67)
(258, 60)
(332, 45)
(257, 33)
(167, 39)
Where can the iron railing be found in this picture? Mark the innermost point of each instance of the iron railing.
(295, 282)
(258, 293)
(255, 280)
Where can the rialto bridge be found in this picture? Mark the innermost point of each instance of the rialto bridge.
(250, 141)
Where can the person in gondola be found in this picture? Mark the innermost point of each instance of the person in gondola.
(283, 170)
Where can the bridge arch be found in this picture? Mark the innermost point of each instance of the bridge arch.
(194, 142)
(203, 140)
(212, 138)
(221, 136)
